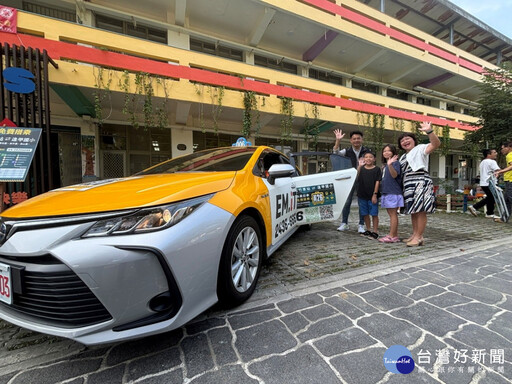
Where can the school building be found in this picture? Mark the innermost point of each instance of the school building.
(121, 85)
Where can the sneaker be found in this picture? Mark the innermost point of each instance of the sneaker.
(360, 229)
(374, 235)
(366, 233)
(343, 227)
(472, 210)
(491, 216)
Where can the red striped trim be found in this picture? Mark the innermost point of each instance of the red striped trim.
(400, 36)
(63, 50)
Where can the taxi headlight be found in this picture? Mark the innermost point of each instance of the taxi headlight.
(147, 219)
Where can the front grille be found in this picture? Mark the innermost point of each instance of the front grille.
(56, 297)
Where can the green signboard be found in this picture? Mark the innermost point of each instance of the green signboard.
(17, 148)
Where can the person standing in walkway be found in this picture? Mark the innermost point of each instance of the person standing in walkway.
(355, 153)
(391, 190)
(487, 166)
(368, 182)
(506, 149)
(417, 184)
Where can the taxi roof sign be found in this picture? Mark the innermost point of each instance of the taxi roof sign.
(241, 142)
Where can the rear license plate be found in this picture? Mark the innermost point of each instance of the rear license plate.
(5, 284)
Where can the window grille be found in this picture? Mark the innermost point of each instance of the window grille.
(324, 76)
(215, 49)
(423, 101)
(365, 86)
(113, 165)
(280, 65)
(397, 94)
(56, 13)
(128, 28)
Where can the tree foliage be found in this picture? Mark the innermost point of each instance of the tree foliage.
(495, 110)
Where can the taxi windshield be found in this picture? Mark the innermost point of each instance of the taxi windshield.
(210, 160)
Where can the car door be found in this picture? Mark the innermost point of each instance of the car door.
(297, 200)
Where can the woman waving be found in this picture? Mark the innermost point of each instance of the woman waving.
(417, 183)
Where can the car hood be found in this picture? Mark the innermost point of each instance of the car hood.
(123, 193)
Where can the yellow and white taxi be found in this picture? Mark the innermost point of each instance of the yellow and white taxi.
(122, 258)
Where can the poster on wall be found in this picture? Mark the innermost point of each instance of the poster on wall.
(88, 159)
(8, 22)
(17, 148)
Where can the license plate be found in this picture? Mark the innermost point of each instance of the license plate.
(5, 284)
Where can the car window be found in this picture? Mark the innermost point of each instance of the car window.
(266, 160)
(212, 160)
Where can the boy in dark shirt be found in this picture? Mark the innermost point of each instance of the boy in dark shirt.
(368, 181)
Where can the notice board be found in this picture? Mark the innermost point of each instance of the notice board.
(17, 148)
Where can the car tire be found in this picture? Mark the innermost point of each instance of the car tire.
(240, 263)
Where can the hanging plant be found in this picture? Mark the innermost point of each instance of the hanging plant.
(445, 141)
(216, 107)
(124, 84)
(250, 105)
(198, 88)
(398, 127)
(162, 111)
(101, 92)
(378, 124)
(143, 83)
(147, 107)
(374, 124)
(143, 88)
(312, 128)
(135, 97)
(201, 118)
(257, 122)
(416, 125)
(286, 120)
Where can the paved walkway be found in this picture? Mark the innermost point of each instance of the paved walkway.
(328, 306)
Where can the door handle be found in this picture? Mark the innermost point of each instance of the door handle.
(343, 178)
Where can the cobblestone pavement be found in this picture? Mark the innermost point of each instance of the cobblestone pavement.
(327, 307)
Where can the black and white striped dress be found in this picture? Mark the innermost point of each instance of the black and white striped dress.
(418, 189)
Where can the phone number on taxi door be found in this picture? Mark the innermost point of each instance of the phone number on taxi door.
(288, 223)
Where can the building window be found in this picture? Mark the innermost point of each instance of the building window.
(290, 146)
(320, 147)
(276, 64)
(209, 140)
(130, 29)
(397, 94)
(423, 101)
(216, 50)
(57, 13)
(450, 107)
(324, 76)
(141, 147)
(365, 86)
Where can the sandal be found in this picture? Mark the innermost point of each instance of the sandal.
(416, 243)
(388, 239)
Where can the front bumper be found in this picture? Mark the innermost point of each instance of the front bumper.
(105, 289)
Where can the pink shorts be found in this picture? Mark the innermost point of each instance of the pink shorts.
(391, 201)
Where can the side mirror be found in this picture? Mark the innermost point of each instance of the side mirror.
(279, 170)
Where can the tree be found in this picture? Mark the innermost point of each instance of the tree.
(495, 110)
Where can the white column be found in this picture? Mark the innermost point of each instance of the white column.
(249, 57)
(183, 138)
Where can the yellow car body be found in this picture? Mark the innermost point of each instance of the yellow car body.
(122, 258)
